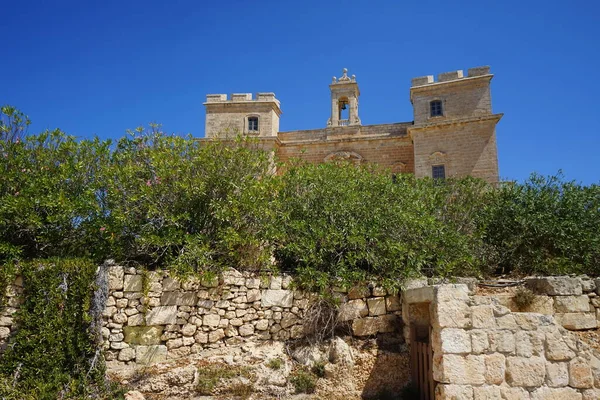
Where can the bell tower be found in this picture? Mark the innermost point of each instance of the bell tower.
(344, 101)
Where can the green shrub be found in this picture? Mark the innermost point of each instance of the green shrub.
(275, 363)
(524, 298)
(210, 375)
(341, 223)
(303, 381)
(545, 226)
(319, 369)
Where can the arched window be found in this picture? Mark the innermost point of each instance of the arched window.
(253, 124)
(435, 108)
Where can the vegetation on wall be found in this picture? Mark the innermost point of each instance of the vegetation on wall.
(54, 353)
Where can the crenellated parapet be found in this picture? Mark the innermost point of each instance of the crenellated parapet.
(450, 76)
(242, 97)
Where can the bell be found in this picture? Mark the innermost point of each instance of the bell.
(343, 106)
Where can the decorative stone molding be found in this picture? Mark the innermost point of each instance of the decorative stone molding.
(344, 156)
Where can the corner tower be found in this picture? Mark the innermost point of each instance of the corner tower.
(454, 128)
(242, 115)
(344, 97)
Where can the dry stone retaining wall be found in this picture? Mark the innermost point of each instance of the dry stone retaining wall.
(150, 316)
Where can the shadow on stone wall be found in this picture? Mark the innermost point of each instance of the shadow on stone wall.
(388, 371)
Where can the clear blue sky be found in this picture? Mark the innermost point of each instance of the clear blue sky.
(98, 68)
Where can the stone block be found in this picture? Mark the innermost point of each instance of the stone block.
(507, 321)
(359, 292)
(393, 303)
(170, 284)
(216, 335)
(4, 332)
(529, 343)
(513, 393)
(591, 394)
(556, 285)
(502, 341)
(487, 393)
(127, 354)
(233, 277)
(483, 317)
(546, 393)
(376, 306)
(463, 392)
(246, 330)
(556, 347)
(188, 330)
(115, 277)
(495, 368)
(452, 314)
(478, 71)
(253, 295)
(587, 284)
(456, 369)
(557, 374)
(178, 299)
(211, 320)
(525, 372)
(276, 282)
(420, 81)
(364, 327)
(571, 304)
(277, 298)
(532, 321)
(162, 315)
(387, 323)
(353, 309)
(253, 283)
(580, 373)
(577, 321)
(136, 320)
(132, 283)
(452, 341)
(150, 354)
(479, 341)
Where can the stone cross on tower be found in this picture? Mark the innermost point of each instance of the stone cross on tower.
(344, 94)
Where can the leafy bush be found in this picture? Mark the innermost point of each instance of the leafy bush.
(545, 225)
(55, 353)
(339, 222)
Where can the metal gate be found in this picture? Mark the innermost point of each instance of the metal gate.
(421, 360)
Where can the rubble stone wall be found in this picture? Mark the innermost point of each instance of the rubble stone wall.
(483, 350)
(8, 307)
(150, 316)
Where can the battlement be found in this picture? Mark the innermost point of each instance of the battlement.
(450, 76)
(241, 97)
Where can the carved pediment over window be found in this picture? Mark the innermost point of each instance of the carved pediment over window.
(438, 158)
(399, 168)
(344, 156)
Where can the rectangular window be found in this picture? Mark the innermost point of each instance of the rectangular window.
(252, 124)
(436, 108)
(438, 172)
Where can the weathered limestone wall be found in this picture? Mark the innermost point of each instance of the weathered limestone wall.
(574, 301)
(482, 350)
(150, 317)
(7, 310)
